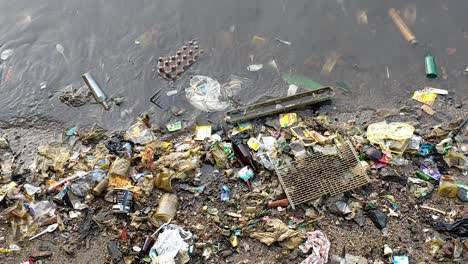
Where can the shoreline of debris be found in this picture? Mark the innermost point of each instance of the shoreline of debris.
(91, 183)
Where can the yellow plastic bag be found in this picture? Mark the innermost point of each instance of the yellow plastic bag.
(378, 132)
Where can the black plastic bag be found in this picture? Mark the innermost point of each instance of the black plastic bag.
(458, 229)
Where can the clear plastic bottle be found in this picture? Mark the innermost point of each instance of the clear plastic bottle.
(447, 186)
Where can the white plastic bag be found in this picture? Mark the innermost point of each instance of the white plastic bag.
(320, 245)
(169, 243)
(204, 94)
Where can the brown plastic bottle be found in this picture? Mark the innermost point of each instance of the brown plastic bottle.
(243, 154)
(447, 187)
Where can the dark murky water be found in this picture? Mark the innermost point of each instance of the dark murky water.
(99, 36)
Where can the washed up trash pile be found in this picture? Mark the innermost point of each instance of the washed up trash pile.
(131, 183)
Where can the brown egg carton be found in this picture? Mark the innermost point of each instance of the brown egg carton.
(173, 66)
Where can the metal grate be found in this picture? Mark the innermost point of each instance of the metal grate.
(319, 174)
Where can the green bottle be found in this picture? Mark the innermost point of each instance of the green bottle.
(431, 68)
(423, 176)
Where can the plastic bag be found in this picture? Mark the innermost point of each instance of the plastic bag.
(118, 145)
(58, 155)
(139, 133)
(81, 186)
(320, 245)
(234, 86)
(6, 53)
(377, 132)
(458, 229)
(278, 231)
(120, 167)
(170, 242)
(204, 94)
(458, 160)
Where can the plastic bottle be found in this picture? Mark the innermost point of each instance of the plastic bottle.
(166, 209)
(423, 176)
(447, 187)
(431, 68)
(100, 187)
(95, 90)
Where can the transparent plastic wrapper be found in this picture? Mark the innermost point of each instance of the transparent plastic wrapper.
(399, 161)
(31, 189)
(204, 93)
(220, 157)
(320, 245)
(170, 242)
(298, 149)
(6, 166)
(326, 150)
(234, 86)
(264, 158)
(42, 208)
(139, 133)
(447, 187)
(5, 189)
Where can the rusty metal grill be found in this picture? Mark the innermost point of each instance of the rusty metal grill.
(318, 174)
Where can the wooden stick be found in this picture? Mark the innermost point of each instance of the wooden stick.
(404, 29)
(433, 209)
